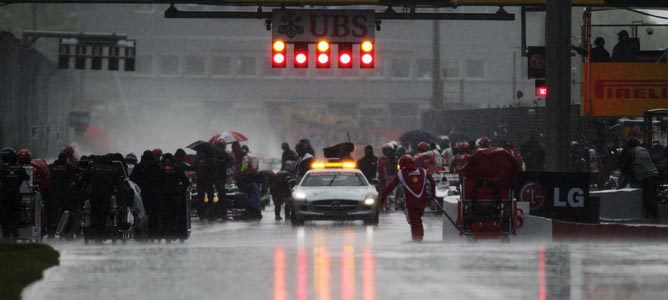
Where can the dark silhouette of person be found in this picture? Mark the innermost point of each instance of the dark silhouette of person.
(289, 157)
(368, 164)
(623, 50)
(598, 52)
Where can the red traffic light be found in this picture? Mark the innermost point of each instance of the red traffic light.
(323, 52)
(541, 91)
(541, 88)
(366, 55)
(345, 56)
(301, 55)
(323, 59)
(279, 58)
(278, 49)
(300, 58)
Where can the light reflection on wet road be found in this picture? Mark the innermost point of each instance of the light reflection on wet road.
(344, 261)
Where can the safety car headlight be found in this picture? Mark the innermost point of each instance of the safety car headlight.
(369, 201)
(299, 195)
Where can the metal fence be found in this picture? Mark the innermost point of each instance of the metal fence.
(514, 124)
(35, 99)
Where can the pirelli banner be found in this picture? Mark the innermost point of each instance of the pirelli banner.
(624, 89)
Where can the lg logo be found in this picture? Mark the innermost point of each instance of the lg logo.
(575, 198)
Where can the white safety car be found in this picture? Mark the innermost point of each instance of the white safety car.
(334, 191)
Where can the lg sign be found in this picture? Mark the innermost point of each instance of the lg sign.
(345, 31)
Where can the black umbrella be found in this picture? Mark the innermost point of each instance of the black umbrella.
(339, 150)
(459, 136)
(414, 137)
(207, 148)
(195, 145)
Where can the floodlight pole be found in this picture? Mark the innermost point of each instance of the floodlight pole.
(558, 77)
(436, 82)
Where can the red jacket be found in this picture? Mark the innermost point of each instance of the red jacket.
(426, 160)
(42, 173)
(458, 162)
(418, 187)
(386, 170)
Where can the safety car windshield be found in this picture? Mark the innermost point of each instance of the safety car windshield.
(333, 179)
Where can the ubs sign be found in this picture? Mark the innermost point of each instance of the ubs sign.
(313, 25)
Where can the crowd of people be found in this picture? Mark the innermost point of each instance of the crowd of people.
(155, 187)
(94, 188)
(213, 168)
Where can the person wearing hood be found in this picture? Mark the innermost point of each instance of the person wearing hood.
(148, 176)
(368, 163)
(172, 203)
(305, 159)
(131, 161)
(62, 178)
(205, 179)
(418, 186)
(289, 157)
(180, 160)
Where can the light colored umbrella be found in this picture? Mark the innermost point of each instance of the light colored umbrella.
(228, 137)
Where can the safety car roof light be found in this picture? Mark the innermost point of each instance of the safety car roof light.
(334, 165)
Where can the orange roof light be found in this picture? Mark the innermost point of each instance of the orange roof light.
(349, 165)
(318, 165)
(334, 165)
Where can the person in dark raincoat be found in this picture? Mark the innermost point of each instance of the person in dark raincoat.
(368, 163)
(148, 176)
(11, 178)
(305, 159)
(288, 156)
(60, 187)
(172, 204)
(204, 174)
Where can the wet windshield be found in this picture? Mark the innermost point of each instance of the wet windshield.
(333, 179)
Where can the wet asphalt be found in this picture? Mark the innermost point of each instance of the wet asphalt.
(348, 260)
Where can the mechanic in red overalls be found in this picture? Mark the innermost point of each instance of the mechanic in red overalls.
(418, 187)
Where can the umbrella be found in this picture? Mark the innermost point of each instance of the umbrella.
(194, 145)
(456, 136)
(228, 137)
(414, 137)
(207, 148)
(339, 150)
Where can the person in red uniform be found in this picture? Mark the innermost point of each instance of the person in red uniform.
(461, 158)
(386, 169)
(418, 186)
(426, 158)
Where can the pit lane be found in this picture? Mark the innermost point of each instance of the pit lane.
(347, 260)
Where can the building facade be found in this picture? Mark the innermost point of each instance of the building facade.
(195, 77)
